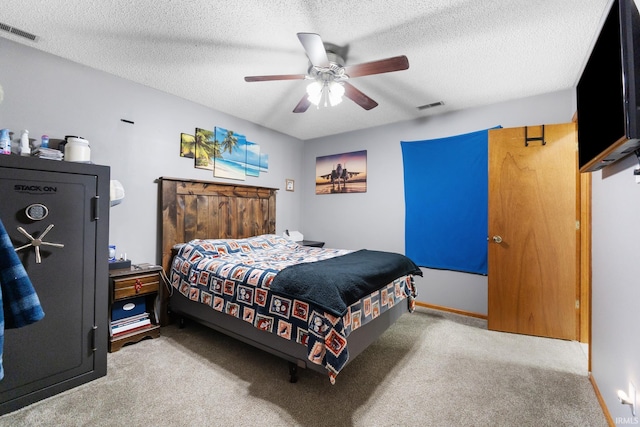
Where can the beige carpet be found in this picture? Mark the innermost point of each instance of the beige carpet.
(429, 369)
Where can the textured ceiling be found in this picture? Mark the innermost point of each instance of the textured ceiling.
(466, 53)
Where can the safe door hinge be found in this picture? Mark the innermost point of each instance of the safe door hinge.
(95, 203)
(93, 338)
(577, 304)
(578, 225)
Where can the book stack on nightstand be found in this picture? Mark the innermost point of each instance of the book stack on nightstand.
(129, 316)
(133, 293)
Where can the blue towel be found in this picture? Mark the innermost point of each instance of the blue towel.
(20, 302)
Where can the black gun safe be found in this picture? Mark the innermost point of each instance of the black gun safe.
(57, 216)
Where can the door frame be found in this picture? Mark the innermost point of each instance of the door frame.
(585, 261)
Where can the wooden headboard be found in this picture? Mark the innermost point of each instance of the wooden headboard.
(194, 209)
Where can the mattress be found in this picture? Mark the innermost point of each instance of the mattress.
(236, 277)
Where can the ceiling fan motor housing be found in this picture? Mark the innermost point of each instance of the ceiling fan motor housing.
(335, 71)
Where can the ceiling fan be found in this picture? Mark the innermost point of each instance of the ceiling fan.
(330, 75)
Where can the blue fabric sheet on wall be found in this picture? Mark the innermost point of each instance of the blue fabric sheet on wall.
(446, 202)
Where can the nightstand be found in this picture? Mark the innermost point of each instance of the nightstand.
(311, 243)
(132, 295)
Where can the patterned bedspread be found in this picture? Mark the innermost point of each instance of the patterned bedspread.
(234, 276)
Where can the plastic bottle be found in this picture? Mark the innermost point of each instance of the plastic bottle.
(45, 141)
(5, 142)
(25, 150)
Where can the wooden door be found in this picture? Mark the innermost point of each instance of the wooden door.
(533, 258)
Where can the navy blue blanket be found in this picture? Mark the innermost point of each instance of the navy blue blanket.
(336, 283)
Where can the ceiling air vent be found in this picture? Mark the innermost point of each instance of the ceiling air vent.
(433, 104)
(18, 32)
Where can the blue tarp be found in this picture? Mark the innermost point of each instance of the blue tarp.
(446, 202)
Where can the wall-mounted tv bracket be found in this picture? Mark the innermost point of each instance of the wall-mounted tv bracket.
(528, 139)
(36, 243)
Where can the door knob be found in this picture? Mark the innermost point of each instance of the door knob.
(497, 239)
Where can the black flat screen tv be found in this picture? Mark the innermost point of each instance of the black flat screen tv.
(607, 93)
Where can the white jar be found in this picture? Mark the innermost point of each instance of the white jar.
(25, 149)
(77, 149)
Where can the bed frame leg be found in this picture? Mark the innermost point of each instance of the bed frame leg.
(293, 372)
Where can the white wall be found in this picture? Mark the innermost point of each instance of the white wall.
(375, 219)
(615, 309)
(48, 95)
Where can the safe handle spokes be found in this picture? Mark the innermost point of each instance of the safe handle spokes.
(36, 243)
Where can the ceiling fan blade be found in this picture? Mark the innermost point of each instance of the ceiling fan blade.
(388, 65)
(275, 77)
(314, 47)
(303, 105)
(358, 97)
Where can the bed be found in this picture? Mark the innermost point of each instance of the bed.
(228, 270)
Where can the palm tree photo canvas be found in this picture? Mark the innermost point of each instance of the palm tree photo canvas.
(187, 145)
(264, 162)
(253, 159)
(227, 153)
(205, 149)
(230, 160)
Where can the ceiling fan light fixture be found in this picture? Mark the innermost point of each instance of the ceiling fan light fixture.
(331, 92)
(314, 90)
(335, 92)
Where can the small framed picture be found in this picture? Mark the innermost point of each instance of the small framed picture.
(289, 184)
